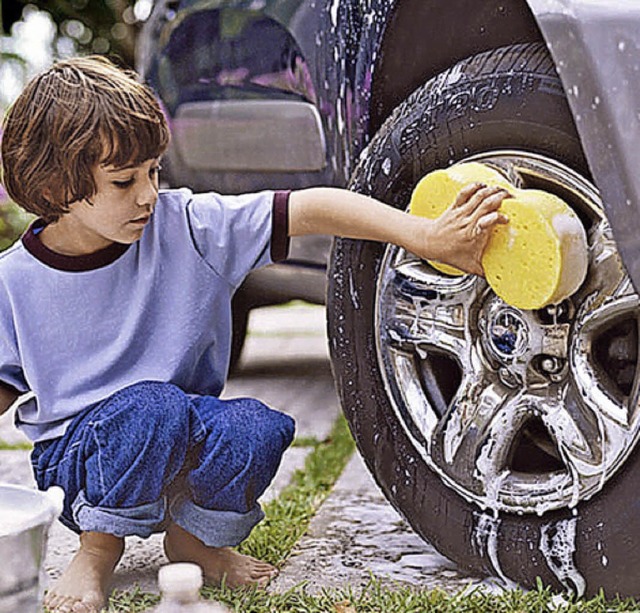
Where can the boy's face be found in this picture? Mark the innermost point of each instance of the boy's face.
(117, 213)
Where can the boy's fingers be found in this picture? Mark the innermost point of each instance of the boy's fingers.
(490, 203)
(495, 217)
(467, 192)
(483, 199)
(488, 220)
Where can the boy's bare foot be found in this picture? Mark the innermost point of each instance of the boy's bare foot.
(217, 563)
(83, 585)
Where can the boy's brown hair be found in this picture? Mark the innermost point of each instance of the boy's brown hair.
(80, 113)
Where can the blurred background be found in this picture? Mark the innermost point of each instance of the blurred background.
(34, 34)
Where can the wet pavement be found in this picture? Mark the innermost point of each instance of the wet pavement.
(356, 534)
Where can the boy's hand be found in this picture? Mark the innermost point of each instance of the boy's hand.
(460, 234)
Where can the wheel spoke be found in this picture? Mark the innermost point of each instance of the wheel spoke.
(633, 404)
(427, 310)
(607, 275)
(588, 376)
(579, 435)
(575, 429)
(471, 441)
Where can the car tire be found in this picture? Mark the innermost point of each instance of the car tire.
(240, 309)
(505, 99)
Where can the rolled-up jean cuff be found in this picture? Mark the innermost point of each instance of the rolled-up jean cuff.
(141, 521)
(214, 528)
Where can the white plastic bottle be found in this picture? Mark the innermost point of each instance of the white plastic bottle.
(180, 585)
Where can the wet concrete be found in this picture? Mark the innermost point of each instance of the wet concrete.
(355, 535)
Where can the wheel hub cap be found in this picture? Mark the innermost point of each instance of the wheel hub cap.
(508, 334)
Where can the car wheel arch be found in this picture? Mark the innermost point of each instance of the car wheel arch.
(459, 30)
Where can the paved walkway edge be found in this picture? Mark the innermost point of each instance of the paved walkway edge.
(356, 536)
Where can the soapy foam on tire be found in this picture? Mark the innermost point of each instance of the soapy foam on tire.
(558, 544)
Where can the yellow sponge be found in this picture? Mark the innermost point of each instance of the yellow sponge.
(539, 258)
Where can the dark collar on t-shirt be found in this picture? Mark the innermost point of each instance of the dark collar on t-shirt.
(69, 263)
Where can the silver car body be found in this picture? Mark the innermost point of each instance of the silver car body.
(596, 48)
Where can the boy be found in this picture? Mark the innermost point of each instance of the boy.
(115, 314)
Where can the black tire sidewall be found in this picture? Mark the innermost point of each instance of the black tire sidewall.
(509, 98)
(240, 309)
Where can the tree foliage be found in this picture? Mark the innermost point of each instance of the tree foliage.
(96, 26)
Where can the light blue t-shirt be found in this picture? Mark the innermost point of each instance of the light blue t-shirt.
(74, 330)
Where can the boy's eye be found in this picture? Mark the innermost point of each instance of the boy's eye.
(123, 184)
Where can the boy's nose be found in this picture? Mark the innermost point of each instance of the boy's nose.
(148, 195)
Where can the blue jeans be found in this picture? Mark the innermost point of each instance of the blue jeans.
(151, 454)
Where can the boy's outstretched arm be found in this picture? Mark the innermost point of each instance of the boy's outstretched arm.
(458, 237)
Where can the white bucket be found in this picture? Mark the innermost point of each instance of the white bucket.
(25, 517)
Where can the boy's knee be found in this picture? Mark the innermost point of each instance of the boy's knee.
(144, 411)
(261, 426)
(143, 429)
(285, 426)
(241, 454)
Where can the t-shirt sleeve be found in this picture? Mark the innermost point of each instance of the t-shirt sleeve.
(237, 234)
(11, 373)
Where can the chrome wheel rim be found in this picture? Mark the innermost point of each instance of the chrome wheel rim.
(518, 411)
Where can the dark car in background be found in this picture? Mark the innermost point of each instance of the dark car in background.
(519, 462)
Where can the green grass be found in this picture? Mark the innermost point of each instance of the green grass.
(24, 446)
(287, 519)
(378, 598)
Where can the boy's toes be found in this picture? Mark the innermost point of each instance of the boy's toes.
(262, 567)
(81, 606)
(67, 604)
(262, 581)
(262, 574)
(55, 603)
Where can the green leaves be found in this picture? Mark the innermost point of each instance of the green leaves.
(98, 26)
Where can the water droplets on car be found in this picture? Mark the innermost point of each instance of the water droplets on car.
(353, 292)
(333, 11)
